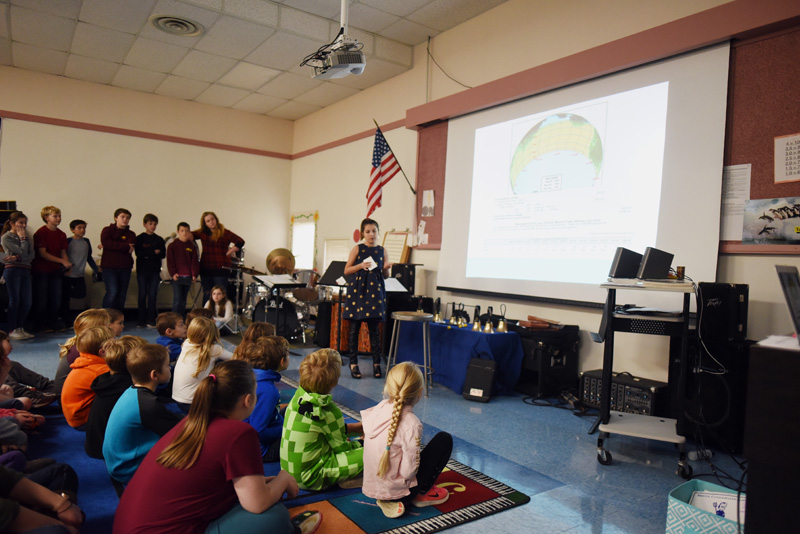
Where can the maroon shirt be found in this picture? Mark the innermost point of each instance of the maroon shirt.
(215, 252)
(116, 247)
(161, 501)
(54, 242)
(182, 259)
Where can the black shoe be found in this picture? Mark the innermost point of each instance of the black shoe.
(376, 370)
(355, 372)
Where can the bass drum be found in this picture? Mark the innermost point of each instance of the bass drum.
(285, 319)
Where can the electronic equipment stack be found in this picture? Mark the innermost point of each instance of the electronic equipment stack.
(629, 394)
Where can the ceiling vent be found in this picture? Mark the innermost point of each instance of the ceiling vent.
(177, 25)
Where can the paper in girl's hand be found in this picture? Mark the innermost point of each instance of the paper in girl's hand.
(371, 262)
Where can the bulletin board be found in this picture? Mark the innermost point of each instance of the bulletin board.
(762, 105)
(431, 163)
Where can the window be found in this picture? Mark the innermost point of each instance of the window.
(304, 240)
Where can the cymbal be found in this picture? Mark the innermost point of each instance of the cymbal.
(306, 294)
(250, 270)
(280, 261)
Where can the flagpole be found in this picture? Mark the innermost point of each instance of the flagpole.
(397, 160)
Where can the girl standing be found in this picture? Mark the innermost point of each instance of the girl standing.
(220, 305)
(365, 301)
(198, 354)
(396, 472)
(118, 242)
(219, 244)
(17, 274)
(210, 468)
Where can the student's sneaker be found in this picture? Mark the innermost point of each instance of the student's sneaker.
(352, 483)
(18, 333)
(436, 495)
(391, 509)
(27, 334)
(307, 522)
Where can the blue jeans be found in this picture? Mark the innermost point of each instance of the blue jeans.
(46, 299)
(275, 520)
(116, 281)
(180, 290)
(18, 283)
(148, 293)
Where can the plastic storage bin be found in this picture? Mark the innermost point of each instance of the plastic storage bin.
(683, 518)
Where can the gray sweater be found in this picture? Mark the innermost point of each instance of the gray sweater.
(21, 250)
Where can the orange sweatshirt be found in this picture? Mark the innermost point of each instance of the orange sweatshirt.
(77, 394)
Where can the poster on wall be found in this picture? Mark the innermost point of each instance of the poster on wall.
(787, 158)
(772, 221)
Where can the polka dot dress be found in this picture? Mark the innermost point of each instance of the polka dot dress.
(366, 295)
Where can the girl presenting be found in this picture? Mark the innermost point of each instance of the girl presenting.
(366, 296)
(396, 472)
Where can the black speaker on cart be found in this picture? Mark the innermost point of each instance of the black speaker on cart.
(715, 397)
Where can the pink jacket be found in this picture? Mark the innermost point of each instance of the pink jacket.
(403, 455)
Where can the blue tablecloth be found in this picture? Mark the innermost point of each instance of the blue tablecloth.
(452, 348)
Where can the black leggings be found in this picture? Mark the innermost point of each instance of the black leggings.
(432, 461)
(374, 340)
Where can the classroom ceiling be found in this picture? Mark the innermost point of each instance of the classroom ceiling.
(247, 57)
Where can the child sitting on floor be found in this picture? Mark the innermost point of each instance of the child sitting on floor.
(314, 447)
(68, 351)
(171, 332)
(77, 395)
(256, 330)
(268, 356)
(198, 355)
(397, 472)
(108, 388)
(198, 312)
(139, 418)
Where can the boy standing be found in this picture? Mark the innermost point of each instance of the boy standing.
(51, 258)
(79, 252)
(150, 251)
(171, 333)
(183, 265)
(139, 418)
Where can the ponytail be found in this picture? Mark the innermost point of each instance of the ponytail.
(383, 466)
(216, 395)
(403, 387)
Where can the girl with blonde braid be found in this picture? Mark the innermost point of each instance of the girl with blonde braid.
(397, 472)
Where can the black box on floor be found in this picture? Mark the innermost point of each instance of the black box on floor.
(549, 361)
(629, 394)
(480, 377)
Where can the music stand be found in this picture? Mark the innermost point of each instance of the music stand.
(331, 277)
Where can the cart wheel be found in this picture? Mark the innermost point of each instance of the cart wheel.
(685, 471)
(604, 457)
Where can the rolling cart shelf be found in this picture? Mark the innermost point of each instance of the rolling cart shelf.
(637, 425)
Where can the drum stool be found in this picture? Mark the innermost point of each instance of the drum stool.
(414, 317)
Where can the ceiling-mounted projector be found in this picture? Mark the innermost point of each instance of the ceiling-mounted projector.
(340, 58)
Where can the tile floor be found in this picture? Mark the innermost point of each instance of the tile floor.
(542, 451)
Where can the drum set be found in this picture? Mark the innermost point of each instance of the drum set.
(288, 306)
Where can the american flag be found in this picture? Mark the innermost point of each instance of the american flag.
(384, 167)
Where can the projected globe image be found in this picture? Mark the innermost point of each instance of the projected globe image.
(562, 151)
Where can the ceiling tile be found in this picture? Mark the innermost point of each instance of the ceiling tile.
(31, 57)
(183, 88)
(255, 10)
(211, 4)
(137, 79)
(293, 111)
(283, 51)
(248, 76)
(219, 95)
(304, 24)
(408, 32)
(90, 69)
(289, 86)
(155, 55)
(41, 29)
(62, 8)
(369, 18)
(3, 21)
(326, 94)
(445, 14)
(5, 52)
(101, 43)
(323, 8)
(121, 15)
(396, 8)
(376, 71)
(204, 67)
(394, 51)
(365, 38)
(256, 103)
(233, 38)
